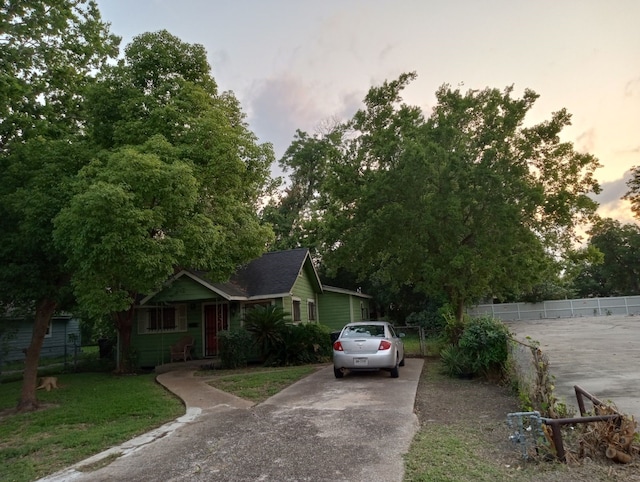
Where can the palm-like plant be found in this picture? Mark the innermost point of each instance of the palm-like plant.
(267, 325)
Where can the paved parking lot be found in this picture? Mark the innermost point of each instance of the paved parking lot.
(600, 354)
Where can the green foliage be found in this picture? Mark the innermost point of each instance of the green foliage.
(235, 348)
(176, 181)
(267, 325)
(303, 343)
(91, 412)
(181, 170)
(609, 264)
(450, 453)
(485, 339)
(456, 362)
(460, 204)
(433, 319)
(50, 51)
(633, 194)
(282, 343)
(294, 214)
(257, 386)
(481, 347)
(454, 327)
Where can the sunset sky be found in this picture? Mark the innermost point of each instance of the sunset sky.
(294, 63)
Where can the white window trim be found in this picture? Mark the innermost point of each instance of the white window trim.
(295, 300)
(311, 301)
(180, 322)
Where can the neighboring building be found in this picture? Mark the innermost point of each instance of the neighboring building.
(62, 336)
(191, 305)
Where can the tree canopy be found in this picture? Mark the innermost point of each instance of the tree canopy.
(466, 202)
(617, 270)
(49, 49)
(176, 182)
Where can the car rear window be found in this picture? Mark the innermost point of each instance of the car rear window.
(363, 330)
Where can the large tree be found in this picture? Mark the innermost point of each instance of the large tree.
(464, 203)
(617, 272)
(294, 213)
(48, 51)
(177, 183)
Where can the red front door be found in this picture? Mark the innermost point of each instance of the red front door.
(216, 318)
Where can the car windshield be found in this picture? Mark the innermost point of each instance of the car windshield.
(363, 330)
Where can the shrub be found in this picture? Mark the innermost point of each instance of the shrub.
(303, 343)
(267, 325)
(481, 348)
(433, 319)
(235, 348)
(454, 328)
(456, 362)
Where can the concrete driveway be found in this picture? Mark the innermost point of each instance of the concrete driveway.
(319, 429)
(600, 354)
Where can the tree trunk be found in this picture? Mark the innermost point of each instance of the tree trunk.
(44, 312)
(459, 310)
(124, 324)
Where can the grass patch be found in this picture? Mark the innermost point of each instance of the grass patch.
(259, 385)
(411, 342)
(88, 414)
(446, 453)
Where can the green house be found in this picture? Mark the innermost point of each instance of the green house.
(189, 304)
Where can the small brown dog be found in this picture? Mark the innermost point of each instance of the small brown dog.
(48, 383)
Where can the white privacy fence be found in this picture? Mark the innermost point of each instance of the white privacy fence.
(619, 305)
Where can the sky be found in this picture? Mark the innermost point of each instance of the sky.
(298, 64)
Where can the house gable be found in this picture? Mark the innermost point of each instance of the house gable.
(184, 286)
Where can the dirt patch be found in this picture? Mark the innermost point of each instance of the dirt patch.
(478, 410)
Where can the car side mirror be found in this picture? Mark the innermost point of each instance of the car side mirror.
(401, 335)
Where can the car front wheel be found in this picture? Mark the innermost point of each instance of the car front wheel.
(395, 373)
(338, 373)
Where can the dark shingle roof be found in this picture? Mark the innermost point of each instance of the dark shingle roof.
(273, 273)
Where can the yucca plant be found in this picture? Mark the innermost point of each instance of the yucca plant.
(267, 325)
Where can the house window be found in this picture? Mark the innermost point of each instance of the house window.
(364, 311)
(296, 311)
(311, 307)
(163, 319)
(248, 307)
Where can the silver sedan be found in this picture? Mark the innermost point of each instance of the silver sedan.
(368, 345)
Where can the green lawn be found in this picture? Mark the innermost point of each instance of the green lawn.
(88, 414)
(257, 386)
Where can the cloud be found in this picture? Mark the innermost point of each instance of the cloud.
(586, 141)
(632, 88)
(611, 203)
(613, 191)
(279, 106)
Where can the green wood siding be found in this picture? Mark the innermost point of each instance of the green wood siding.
(303, 291)
(153, 348)
(337, 309)
(184, 289)
(359, 308)
(334, 310)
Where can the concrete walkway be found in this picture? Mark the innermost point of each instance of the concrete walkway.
(354, 429)
(198, 396)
